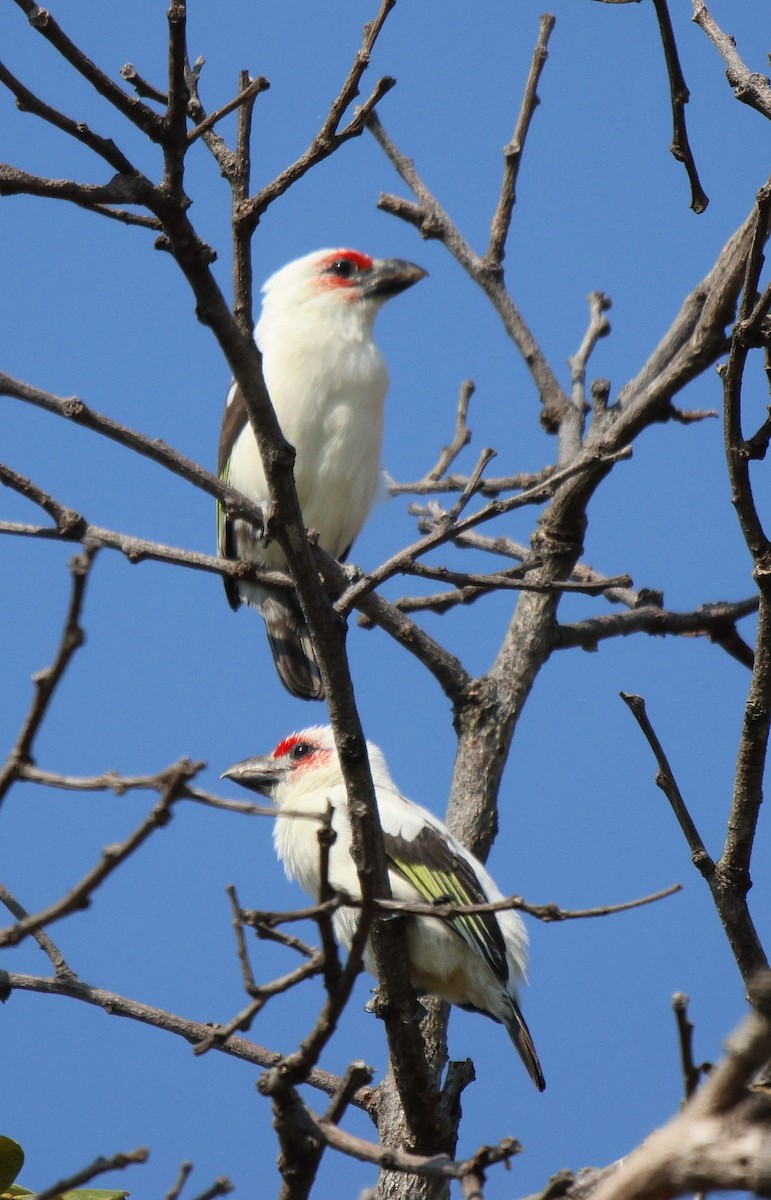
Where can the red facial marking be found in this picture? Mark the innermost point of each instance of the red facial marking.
(362, 261)
(312, 755)
(286, 745)
(328, 280)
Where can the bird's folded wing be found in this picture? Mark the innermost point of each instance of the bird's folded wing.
(234, 420)
(441, 876)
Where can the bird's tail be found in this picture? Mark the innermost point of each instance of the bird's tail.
(520, 1036)
(291, 646)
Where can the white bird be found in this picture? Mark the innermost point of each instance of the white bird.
(327, 381)
(474, 960)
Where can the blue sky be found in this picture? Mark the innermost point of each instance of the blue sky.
(90, 308)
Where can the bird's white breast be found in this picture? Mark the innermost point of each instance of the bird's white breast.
(328, 394)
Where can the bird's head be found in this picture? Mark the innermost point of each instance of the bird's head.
(337, 281)
(300, 763)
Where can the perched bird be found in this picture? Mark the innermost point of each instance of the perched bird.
(475, 960)
(327, 381)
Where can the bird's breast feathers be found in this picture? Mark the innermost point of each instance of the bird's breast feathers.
(336, 427)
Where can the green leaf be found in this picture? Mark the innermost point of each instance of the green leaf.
(19, 1193)
(93, 1194)
(11, 1161)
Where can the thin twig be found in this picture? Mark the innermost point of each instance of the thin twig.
(548, 913)
(716, 621)
(218, 1034)
(679, 96)
(46, 681)
(512, 154)
(27, 101)
(691, 1073)
(730, 901)
(250, 92)
(73, 409)
(448, 531)
(221, 1187)
(79, 896)
(100, 1166)
(749, 87)
(149, 122)
(461, 437)
(142, 86)
(158, 1018)
(665, 780)
(572, 427)
(433, 221)
(330, 137)
(17, 910)
(184, 1174)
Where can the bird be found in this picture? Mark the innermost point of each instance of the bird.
(327, 381)
(475, 961)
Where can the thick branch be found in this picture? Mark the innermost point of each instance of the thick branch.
(734, 863)
(720, 1139)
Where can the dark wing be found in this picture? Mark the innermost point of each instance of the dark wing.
(234, 420)
(441, 876)
(291, 646)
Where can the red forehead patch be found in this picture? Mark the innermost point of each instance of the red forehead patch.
(362, 261)
(286, 745)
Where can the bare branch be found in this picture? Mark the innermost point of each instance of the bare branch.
(73, 409)
(694, 340)
(141, 86)
(184, 1172)
(80, 895)
(680, 96)
(122, 189)
(716, 621)
(734, 863)
(133, 109)
(221, 1187)
(251, 91)
(330, 137)
(27, 101)
(571, 430)
(691, 1073)
(512, 153)
(719, 1141)
(192, 1031)
(730, 900)
(548, 913)
(462, 435)
(432, 221)
(46, 681)
(749, 87)
(448, 529)
(41, 937)
(100, 1166)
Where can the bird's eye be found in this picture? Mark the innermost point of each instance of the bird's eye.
(300, 750)
(344, 268)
